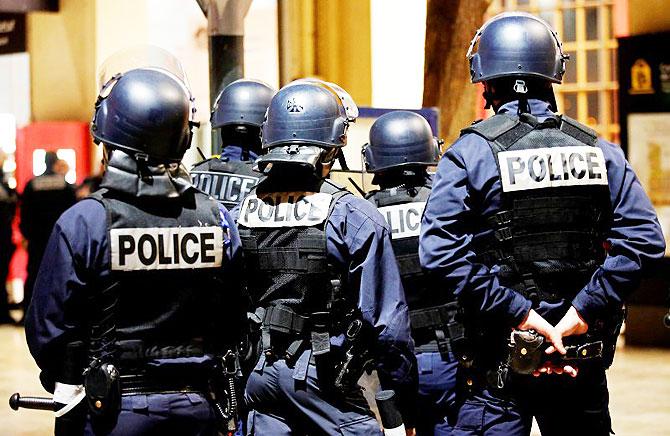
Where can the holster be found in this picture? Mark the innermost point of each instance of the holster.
(103, 394)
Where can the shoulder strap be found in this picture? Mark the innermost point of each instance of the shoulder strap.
(578, 131)
(501, 130)
(492, 128)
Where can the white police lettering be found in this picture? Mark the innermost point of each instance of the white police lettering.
(404, 219)
(166, 248)
(521, 170)
(223, 186)
(285, 209)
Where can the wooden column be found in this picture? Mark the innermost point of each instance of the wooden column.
(450, 25)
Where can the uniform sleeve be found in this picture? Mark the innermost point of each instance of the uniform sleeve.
(635, 240)
(74, 252)
(463, 179)
(359, 238)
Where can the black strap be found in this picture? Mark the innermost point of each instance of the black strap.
(441, 320)
(578, 131)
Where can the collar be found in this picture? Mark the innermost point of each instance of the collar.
(538, 108)
(235, 153)
(125, 174)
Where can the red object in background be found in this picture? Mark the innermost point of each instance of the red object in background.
(48, 136)
(51, 136)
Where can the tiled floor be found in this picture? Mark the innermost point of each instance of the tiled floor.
(639, 385)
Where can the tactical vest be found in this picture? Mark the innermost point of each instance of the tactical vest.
(433, 318)
(289, 278)
(225, 180)
(548, 235)
(165, 294)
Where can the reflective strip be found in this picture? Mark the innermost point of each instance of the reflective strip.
(404, 219)
(552, 167)
(158, 248)
(286, 209)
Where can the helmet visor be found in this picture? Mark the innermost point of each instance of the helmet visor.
(140, 57)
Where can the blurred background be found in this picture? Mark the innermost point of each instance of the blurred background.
(388, 54)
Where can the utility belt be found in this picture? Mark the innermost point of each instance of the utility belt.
(287, 334)
(175, 381)
(438, 329)
(104, 386)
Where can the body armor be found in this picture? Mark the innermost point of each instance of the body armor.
(225, 180)
(288, 274)
(164, 295)
(433, 319)
(548, 236)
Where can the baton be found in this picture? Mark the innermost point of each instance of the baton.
(389, 414)
(16, 401)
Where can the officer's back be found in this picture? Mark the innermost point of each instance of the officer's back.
(137, 290)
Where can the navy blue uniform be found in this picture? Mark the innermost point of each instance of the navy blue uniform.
(43, 200)
(78, 254)
(467, 186)
(358, 242)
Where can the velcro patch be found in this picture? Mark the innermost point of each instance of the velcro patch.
(404, 219)
(285, 209)
(224, 186)
(537, 168)
(157, 248)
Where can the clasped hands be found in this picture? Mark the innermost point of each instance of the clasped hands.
(571, 324)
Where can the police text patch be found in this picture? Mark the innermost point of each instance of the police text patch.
(155, 248)
(404, 219)
(223, 186)
(522, 170)
(285, 209)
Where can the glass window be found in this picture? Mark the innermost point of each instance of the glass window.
(569, 25)
(593, 108)
(586, 28)
(571, 68)
(569, 104)
(592, 24)
(592, 70)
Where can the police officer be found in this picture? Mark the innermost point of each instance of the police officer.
(401, 148)
(44, 199)
(7, 209)
(140, 273)
(535, 223)
(238, 114)
(321, 271)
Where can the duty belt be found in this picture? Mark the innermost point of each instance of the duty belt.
(165, 383)
(440, 321)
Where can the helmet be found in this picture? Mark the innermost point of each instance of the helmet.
(516, 44)
(304, 119)
(399, 139)
(145, 112)
(243, 102)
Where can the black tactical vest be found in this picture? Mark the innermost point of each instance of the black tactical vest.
(432, 315)
(548, 236)
(225, 180)
(165, 297)
(403, 208)
(286, 263)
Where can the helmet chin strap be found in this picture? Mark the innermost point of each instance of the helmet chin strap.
(522, 90)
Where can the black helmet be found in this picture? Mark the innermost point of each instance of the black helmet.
(146, 112)
(304, 119)
(243, 102)
(400, 139)
(516, 44)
